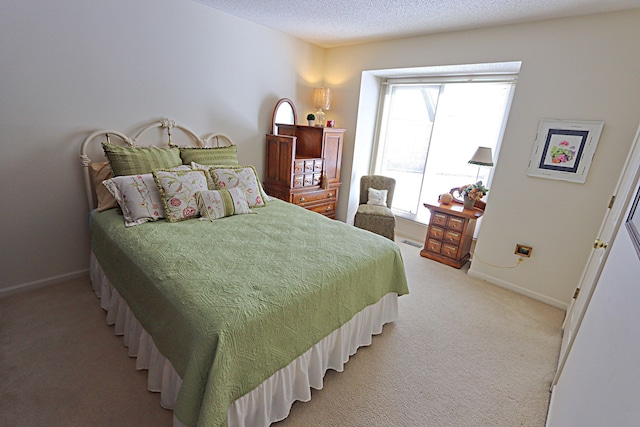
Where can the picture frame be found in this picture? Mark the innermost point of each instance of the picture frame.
(564, 149)
(633, 222)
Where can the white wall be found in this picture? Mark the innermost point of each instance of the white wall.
(69, 67)
(72, 66)
(583, 68)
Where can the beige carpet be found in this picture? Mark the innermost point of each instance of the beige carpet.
(463, 353)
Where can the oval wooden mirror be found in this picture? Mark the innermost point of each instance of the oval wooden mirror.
(285, 113)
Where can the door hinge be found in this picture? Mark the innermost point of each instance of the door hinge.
(575, 294)
(613, 199)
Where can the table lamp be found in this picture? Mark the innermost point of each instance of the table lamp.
(482, 157)
(321, 101)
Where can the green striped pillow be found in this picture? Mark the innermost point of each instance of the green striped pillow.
(140, 160)
(214, 204)
(210, 156)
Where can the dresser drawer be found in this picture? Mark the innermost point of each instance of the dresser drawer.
(436, 232)
(308, 166)
(448, 250)
(452, 237)
(328, 209)
(298, 167)
(439, 219)
(455, 223)
(298, 181)
(315, 196)
(434, 245)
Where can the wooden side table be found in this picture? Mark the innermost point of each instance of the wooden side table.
(450, 233)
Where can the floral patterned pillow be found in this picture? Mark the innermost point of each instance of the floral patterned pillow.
(243, 177)
(138, 197)
(214, 204)
(178, 190)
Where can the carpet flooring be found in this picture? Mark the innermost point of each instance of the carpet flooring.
(463, 353)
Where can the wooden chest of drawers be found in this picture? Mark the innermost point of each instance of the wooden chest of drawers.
(450, 233)
(297, 161)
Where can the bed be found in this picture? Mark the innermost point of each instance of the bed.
(238, 312)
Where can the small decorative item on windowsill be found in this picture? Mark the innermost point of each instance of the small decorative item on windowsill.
(472, 193)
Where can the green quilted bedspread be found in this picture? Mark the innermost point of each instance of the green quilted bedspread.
(231, 302)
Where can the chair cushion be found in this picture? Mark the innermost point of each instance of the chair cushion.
(375, 210)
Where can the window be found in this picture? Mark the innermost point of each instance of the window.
(430, 128)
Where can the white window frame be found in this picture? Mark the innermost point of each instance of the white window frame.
(490, 74)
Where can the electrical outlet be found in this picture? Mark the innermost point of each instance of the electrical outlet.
(523, 251)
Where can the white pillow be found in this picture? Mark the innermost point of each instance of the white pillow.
(377, 197)
(138, 197)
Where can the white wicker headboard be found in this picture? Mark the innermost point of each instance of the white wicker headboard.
(212, 140)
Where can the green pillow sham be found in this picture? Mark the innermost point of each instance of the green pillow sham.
(140, 160)
(210, 156)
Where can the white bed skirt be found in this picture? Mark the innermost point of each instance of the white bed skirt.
(269, 402)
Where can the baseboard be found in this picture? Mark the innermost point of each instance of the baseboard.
(518, 289)
(54, 280)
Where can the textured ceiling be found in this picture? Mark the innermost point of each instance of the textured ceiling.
(330, 23)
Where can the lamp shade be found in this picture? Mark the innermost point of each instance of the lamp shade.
(482, 157)
(322, 98)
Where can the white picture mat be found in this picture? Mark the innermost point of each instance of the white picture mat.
(564, 149)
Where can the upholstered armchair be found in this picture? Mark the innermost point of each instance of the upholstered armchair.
(374, 212)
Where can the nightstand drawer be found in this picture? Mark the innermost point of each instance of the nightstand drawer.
(455, 223)
(436, 233)
(434, 245)
(449, 250)
(452, 237)
(439, 219)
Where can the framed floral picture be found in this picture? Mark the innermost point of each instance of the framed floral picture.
(564, 149)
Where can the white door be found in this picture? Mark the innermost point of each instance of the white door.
(600, 382)
(591, 273)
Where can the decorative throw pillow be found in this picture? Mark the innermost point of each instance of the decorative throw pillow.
(101, 171)
(138, 197)
(210, 156)
(243, 177)
(212, 185)
(178, 190)
(181, 168)
(140, 160)
(214, 204)
(377, 197)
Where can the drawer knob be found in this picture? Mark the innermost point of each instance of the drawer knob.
(302, 199)
(329, 194)
(328, 208)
